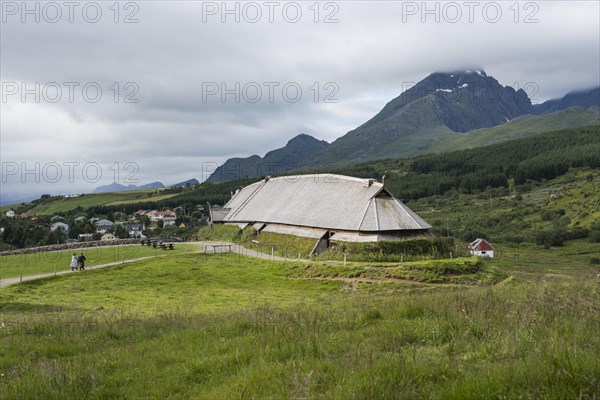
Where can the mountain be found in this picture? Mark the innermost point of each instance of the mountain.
(438, 107)
(291, 156)
(192, 181)
(117, 187)
(434, 115)
(584, 98)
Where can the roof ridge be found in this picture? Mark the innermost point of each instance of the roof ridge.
(325, 175)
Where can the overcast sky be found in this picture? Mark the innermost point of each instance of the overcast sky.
(184, 85)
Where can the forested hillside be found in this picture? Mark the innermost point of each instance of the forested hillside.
(545, 156)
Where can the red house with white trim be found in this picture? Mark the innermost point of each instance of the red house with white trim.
(481, 248)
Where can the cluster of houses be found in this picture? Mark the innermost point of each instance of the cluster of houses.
(167, 217)
(107, 228)
(103, 227)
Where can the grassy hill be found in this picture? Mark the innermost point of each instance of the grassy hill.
(226, 326)
(62, 204)
(521, 127)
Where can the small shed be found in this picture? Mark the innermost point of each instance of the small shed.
(481, 248)
(108, 236)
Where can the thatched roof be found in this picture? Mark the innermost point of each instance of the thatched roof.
(320, 201)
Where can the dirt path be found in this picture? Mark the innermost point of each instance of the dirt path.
(204, 247)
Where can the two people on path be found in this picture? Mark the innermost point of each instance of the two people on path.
(78, 262)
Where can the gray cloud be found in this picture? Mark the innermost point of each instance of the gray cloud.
(370, 54)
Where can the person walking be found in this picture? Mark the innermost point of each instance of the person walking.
(74, 262)
(81, 261)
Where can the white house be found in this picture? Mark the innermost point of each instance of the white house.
(10, 214)
(103, 226)
(481, 248)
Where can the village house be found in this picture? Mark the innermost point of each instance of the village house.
(161, 215)
(10, 214)
(84, 237)
(108, 236)
(325, 207)
(481, 248)
(167, 221)
(103, 226)
(135, 230)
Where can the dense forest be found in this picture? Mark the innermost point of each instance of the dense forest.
(537, 158)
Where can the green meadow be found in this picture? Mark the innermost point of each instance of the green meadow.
(13, 266)
(523, 325)
(96, 199)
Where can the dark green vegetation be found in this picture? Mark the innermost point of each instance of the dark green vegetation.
(225, 326)
(525, 160)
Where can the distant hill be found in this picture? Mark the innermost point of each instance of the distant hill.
(292, 156)
(521, 127)
(117, 187)
(192, 181)
(153, 185)
(584, 98)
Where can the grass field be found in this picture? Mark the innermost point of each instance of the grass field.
(39, 263)
(231, 327)
(97, 199)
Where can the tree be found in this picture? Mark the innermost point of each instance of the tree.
(121, 232)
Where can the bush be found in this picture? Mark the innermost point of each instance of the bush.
(549, 238)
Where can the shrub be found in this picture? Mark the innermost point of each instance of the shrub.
(549, 238)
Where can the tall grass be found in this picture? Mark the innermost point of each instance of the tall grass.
(225, 326)
(483, 343)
